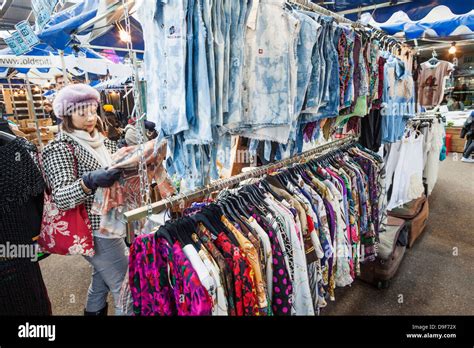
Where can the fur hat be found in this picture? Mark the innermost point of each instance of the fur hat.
(74, 96)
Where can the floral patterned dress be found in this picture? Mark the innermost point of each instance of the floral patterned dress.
(164, 282)
(148, 274)
(191, 296)
(246, 303)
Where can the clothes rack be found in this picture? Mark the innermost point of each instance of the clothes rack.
(309, 5)
(316, 8)
(181, 199)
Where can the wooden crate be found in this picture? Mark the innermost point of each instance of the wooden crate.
(42, 122)
(457, 144)
(46, 137)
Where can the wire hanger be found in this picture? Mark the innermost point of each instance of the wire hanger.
(433, 60)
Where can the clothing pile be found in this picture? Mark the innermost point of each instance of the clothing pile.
(222, 71)
(276, 246)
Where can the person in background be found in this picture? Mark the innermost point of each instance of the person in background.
(112, 124)
(48, 110)
(59, 82)
(453, 104)
(76, 164)
(468, 132)
(49, 113)
(130, 136)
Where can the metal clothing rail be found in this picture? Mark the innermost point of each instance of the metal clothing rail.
(181, 199)
(307, 4)
(316, 8)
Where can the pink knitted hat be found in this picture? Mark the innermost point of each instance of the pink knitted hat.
(74, 96)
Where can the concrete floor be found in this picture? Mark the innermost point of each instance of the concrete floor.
(430, 281)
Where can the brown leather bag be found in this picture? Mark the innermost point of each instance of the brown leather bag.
(416, 213)
(418, 223)
(389, 258)
(408, 210)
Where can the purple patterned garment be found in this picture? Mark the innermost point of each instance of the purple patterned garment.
(191, 296)
(148, 276)
(162, 280)
(282, 287)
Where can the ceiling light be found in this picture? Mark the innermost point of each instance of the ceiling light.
(452, 49)
(124, 36)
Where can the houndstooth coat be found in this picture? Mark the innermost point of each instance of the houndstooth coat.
(58, 163)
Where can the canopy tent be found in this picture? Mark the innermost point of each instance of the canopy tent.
(114, 83)
(382, 10)
(451, 20)
(110, 40)
(440, 22)
(46, 62)
(92, 23)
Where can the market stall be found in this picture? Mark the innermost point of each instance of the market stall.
(268, 158)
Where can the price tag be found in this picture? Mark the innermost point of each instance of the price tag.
(27, 33)
(10, 41)
(17, 44)
(43, 10)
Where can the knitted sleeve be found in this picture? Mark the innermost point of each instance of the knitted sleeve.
(111, 145)
(58, 162)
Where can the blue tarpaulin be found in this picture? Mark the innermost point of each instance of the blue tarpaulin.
(57, 33)
(440, 22)
(416, 9)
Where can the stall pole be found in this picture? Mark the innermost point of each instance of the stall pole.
(32, 111)
(126, 101)
(12, 97)
(42, 102)
(63, 67)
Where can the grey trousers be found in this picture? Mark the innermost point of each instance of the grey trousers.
(469, 149)
(110, 264)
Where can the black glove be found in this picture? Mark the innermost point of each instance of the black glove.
(101, 178)
(150, 126)
(121, 143)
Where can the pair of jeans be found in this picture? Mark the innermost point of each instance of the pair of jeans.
(200, 132)
(318, 71)
(225, 28)
(110, 264)
(191, 115)
(166, 38)
(397, 107)
(306, 51)
(331, 109)
(193, 163)
(218, 29)
(238, 21)
(209, 19)
(469, 149)
(270, 83)
(328, 55)
(267, 83)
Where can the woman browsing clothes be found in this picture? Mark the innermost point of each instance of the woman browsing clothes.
(76, 165)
